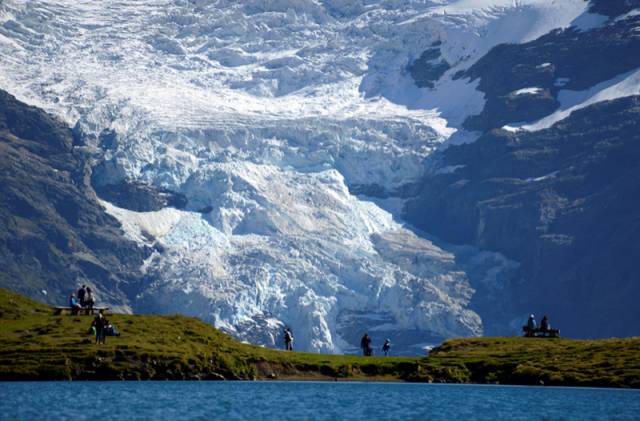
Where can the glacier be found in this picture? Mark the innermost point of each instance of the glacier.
(270, 117)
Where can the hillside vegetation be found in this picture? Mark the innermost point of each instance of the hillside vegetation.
(35, 344)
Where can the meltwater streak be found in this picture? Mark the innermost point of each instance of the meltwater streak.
(309, 400)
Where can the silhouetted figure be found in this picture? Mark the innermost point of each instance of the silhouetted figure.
(81, 295)
(75, 306)
(100, 323)
(89, 300)
(365, 344)
(531, 325)
(544, 324)
(386, 347)
(288, 339)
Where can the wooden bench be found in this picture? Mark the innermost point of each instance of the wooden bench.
(85, 310)
(539, 333)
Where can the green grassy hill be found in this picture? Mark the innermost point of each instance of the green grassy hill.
(35, 344)
(560, 362)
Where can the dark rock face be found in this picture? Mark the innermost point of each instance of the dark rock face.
(140, 197)
(564, 203)
(613, 8)
(54, 233)
(427, 69)
(562, 59)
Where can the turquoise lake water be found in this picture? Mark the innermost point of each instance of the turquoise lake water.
(309, 401)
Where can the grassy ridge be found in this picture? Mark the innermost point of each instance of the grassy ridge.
(36, 345)
(570, 362)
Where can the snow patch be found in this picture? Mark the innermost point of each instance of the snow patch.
(527, 91)
(542, 178)
(624, 85)
(588, 21)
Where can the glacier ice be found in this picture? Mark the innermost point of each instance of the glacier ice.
(268, 115)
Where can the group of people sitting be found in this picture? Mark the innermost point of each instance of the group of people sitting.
(367, 350)
(532, 327)
(85, 299)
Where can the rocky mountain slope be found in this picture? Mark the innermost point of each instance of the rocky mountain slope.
(54, 232)
(560, 195)
(562, 201)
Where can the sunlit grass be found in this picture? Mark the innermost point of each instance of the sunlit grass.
(35, 344)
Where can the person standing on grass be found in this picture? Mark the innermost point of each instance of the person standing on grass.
(386, 347)
(81, 295)
(288, 339)
(100, 323)
(89, 301)
(365, 344)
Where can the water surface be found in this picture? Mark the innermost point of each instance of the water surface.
(309, 400)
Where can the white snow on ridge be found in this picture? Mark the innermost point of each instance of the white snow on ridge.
(624, 85)
(265, 113)
(467, 29)
(527, 91)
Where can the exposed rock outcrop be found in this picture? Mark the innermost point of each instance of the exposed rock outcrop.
(521, 81)
(54, 233)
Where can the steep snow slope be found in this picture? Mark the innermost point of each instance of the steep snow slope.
(264, 115)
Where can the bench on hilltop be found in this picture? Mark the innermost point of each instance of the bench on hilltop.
(539, 333)
(85, 310)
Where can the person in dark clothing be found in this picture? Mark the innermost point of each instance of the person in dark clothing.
(288, 339)
(89, 301)
(544, 324)
(531, 325)
(365, 344)
(75, 306)
(386, 347)
(100, 323)
(81, 295)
